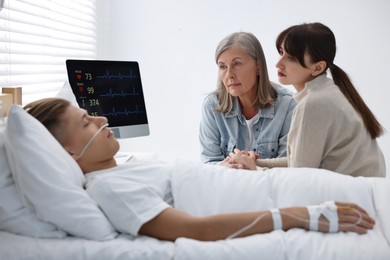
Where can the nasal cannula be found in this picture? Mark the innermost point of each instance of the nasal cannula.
(90, 141)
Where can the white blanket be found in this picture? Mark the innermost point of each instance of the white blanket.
(280, 188)
(257, 190)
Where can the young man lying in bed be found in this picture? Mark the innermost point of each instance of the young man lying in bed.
(137, 197)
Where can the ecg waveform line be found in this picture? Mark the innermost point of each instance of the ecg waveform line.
(120, 94)
(108, 75)
(125, 112)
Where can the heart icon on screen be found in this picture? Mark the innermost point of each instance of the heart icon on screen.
(78, 76)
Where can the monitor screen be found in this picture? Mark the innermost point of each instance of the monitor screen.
(112, 89)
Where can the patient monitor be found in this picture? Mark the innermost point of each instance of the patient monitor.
(112, 89)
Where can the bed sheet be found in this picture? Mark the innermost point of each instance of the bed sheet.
(124, 247)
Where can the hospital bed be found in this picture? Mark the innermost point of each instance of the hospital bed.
(27, 146)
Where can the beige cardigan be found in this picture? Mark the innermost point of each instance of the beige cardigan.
(326, 132)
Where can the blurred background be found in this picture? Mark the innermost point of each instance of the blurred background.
(174, 43)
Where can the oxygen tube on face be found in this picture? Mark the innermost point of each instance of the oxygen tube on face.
(90, 141)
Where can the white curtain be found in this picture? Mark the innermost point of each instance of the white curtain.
(37, 36)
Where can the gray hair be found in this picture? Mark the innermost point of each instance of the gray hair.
(266, 94)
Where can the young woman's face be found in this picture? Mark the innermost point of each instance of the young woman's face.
(79, 130)
(291, 72)
(238, 71)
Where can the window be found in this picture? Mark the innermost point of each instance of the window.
(37, 36)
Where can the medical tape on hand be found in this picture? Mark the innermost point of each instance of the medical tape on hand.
(329, 210)
(277, 219)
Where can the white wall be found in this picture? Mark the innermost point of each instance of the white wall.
(174, 42)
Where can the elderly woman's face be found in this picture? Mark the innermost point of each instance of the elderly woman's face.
(238, 71)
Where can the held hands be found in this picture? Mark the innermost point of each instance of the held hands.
(241, 160)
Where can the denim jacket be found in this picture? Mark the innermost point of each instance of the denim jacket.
(220, 133)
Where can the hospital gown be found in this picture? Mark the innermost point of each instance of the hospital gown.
(131, 194)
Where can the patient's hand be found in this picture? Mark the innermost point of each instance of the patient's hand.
(348, 216)
(241, 160)
(353, 218)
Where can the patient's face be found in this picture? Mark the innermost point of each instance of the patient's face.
(80, 128)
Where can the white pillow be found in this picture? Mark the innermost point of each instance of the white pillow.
(67, 94)
(14, 217)
(49, 180)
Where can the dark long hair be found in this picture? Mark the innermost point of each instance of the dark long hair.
(319, 42)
